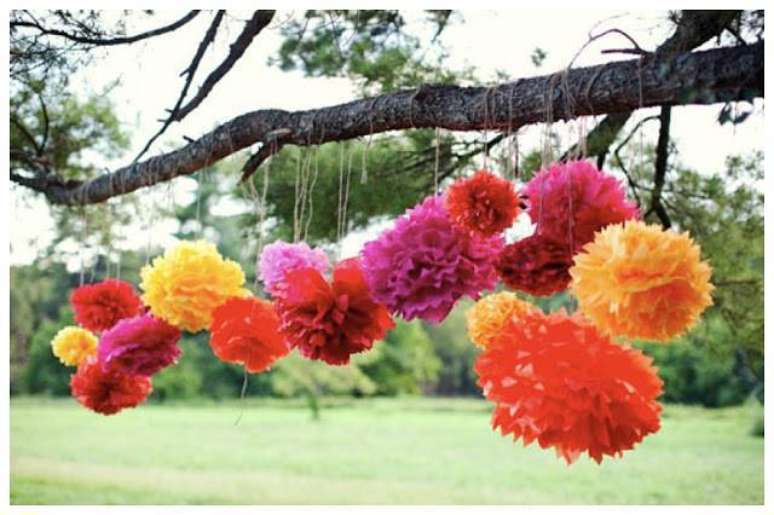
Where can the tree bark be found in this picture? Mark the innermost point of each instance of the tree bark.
(717, 75)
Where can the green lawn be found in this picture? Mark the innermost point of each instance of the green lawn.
(363, 452)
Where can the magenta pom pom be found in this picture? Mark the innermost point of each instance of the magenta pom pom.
(571, 201)
(280, 257)
(424, 264)
(141, 345)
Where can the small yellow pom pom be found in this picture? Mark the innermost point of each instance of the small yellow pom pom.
(488, 316)
(641, 281)
(72, 345)
(187, 283)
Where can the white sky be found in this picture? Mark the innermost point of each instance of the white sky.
(489, 40)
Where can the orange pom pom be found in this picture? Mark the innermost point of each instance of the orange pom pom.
(484, 204)
(246, 331)
(558, 380)
(489, 315)
(641, 281)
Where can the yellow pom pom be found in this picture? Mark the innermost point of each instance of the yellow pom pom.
(640, 281)
(488, 316)
(187, 283)
(72, 345)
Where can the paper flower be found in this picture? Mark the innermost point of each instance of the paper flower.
(99, 306)
(571, 201)
(330, 322)
(489, 315)
(72, 345)
(246, 331)
(184, 286)
(484, 203)
(556, 379)
(424, 264)
(107, 391)
(279, 257)
(535, 265)
(142, 345)
(641, 281)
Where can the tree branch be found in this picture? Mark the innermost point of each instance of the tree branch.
(716, 75)
(99, 41)
(253, 27)
(659, 177)
(189, 72)
(693, 28)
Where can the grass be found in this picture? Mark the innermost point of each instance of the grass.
(401, 451)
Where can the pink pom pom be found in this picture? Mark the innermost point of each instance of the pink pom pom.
(280, 257)
(142, 345)
(424, 264)
(571, 201)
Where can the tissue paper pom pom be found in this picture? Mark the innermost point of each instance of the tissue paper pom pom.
(489, 315)
(246, 331)
(72, 345)
(556, 379)
(575, 200)
(99, 306)
(424, 264)
(641, 281)
(331, 322)
(142, 345)
(184, 286)
(279, 257)
(107, 391)
(484, 203)
(535, 265)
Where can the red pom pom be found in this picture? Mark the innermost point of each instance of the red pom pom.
(535, 265)
(108, 391)
(484, 203)
(556, 379)
(99, 306)
(331, 322)
(246, 331)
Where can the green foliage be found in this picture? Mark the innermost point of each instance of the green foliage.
(373, 48)
(59, 128)
(695, 371)
(295, 376)
(44, 373)
(457, 354)
(404, 363)
(384, 187)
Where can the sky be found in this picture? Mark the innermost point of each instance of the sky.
(487, 39)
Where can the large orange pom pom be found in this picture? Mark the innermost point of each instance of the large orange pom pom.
(641, 281)
(246, 331)
(489, 315)
(556, 379)
(484, 203)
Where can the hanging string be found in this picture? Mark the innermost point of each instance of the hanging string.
(341, 193)
(84, 233)
(315, 175)
(345, 206)
(297, 196)
(515, 156)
